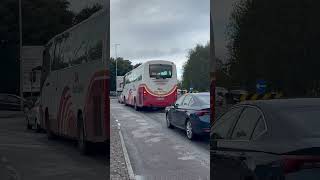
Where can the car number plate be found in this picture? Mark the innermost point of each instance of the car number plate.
(160, 99)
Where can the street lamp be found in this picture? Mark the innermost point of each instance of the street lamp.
(115, 46)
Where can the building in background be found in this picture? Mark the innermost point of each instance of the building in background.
(31, 69)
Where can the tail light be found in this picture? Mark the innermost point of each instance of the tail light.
(202, 113)
(291, 163)
(144, 92)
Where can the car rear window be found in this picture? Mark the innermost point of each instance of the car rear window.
(204, 98)
(304, 118)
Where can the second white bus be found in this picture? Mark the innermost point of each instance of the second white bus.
(152, 84)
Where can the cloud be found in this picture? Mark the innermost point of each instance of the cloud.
(158, 29)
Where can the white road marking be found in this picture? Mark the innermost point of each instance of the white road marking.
(126, 157)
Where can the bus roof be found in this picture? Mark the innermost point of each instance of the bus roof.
(103, 10)
(152, 62)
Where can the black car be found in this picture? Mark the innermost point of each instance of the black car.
(12, 102)
(270, 139)
(191, 112)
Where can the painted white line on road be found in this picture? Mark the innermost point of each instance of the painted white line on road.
(126, 157)
(22, 146)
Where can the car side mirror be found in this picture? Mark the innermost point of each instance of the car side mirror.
(176, 105)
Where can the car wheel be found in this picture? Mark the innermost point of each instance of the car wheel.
(25, 109)
(169, 125)
(125, 101)
(189, 130)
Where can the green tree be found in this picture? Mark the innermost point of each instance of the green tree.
(41, 21)
(123, 67)
(275, 40)
(86, 13)
(196, 71)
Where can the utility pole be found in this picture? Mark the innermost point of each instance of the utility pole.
(115, 46)
(20, 56)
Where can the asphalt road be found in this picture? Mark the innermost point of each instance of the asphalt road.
(157, 152)
(26, 155)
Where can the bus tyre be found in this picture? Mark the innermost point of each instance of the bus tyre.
(82, 143)
(169, 125)
(29, 126)
(125, 101)
(136, 107)
(48, 130)
(38, 129)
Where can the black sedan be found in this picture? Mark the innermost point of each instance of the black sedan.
(271, 139)
(191, 112)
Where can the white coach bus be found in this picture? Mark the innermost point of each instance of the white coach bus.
(74, 97)
(152, 84)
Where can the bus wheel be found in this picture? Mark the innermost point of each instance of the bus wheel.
(38, 129)
(82, 143)
(136, 107)
(49, 132)
(28, 124)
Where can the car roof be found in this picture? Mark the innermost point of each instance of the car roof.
(200, 93)
(285, 103)
(272, 110)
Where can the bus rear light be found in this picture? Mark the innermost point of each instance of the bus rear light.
(144, 92)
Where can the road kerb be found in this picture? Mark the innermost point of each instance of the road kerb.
(126, 157)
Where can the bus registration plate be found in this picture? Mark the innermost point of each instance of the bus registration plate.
(160, 99)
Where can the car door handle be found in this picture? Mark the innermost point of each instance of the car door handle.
(47, 84)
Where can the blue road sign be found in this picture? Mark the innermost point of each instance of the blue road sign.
(261, 86)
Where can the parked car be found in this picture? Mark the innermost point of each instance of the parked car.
(11, 102)
(113, 93)
(267, 140)
(236, 94)
(33, 117)
(191, 112)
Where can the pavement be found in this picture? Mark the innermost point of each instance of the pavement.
(118, 165)
(156, 152)
(26, 155)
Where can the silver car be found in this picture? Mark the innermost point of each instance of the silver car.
(33, 117)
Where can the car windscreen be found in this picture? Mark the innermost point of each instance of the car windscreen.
(304, 118)
(204, 99)
(160, 71)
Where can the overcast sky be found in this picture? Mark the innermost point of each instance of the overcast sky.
(155, 29)
(158, 29)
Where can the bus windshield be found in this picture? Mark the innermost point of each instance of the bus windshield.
(160, 71)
